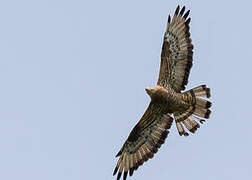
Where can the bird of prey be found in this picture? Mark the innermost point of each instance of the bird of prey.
(167, 100)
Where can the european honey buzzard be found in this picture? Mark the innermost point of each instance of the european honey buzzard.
(167, 99)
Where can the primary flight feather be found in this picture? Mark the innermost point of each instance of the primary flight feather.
(167, 99)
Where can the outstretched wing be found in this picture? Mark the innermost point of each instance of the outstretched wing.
(176, 55)
(144, 140)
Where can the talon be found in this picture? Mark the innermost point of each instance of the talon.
(186, 134)
(202, 121)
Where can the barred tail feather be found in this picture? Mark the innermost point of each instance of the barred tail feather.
(181, 130)
(199, 109)
(191, 124)
(204, 113)
(202, 91)
(202, 103)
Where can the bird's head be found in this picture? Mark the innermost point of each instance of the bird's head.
(150, 91)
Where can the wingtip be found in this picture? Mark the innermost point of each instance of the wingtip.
(177, 10)
(116, 169)
(131, 171)
(188, 21)
(119, 175)
(125, 175)
(186, 14)
(169, 18)
(119, 153)
(182, 11)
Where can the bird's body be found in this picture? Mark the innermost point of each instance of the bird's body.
(167, 99)
(170, 100)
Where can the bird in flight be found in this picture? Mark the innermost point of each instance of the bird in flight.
(188, 107)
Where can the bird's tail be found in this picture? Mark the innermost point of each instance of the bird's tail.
(198, 111)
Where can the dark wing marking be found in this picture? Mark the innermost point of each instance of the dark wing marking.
(144, 140)
(176, 55)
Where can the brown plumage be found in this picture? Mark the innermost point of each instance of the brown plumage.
(188, 108)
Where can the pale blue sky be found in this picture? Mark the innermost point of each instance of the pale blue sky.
(73, 73)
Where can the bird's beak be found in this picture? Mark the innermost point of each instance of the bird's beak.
(148, 90)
